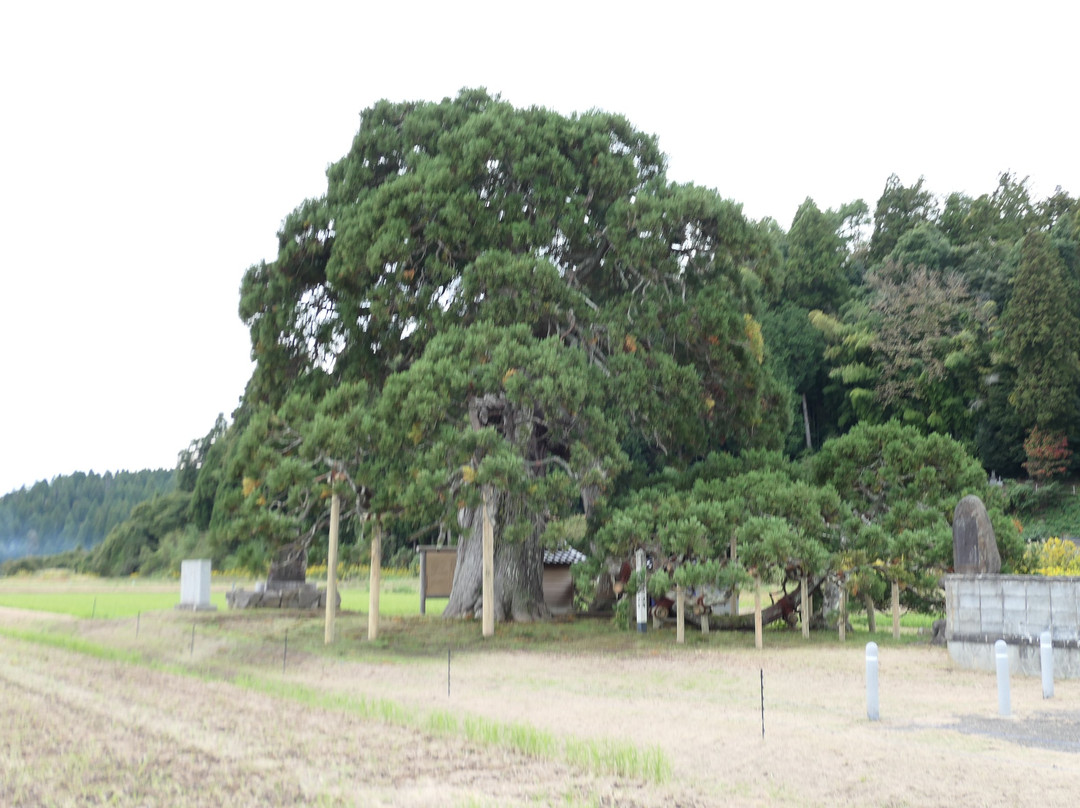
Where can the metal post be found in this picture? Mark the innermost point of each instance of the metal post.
(642, 597)
(1001, 656)
(1046, 658)
(872, 681)
(762, 703)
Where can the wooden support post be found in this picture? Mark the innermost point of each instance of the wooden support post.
(375, 580)
(758, 638)
(680, 615)
(804, 605)
(841, 621)
(896, 610)
(734, 609)
(423, 582)
(488, 592)
(331, 566)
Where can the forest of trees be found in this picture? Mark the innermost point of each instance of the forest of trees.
(73, 511)
(518, 308)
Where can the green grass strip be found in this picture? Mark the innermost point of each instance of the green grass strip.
(598, 757)
(75, 645)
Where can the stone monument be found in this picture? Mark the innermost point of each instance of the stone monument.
(286, 586)
(975, 550)
(195, 585)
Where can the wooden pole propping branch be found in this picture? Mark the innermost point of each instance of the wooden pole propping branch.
(841, 621)
(375, 582)
(896, 610)
(758, 635)
(331, 566)
(680, 615)
(488, 593)
(804, 605)
(734, 609)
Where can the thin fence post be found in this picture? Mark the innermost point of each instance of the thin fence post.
(1046, 659)
(1001, 656)
(872, 681)
(762, 703)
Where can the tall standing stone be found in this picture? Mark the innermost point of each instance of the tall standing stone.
(975, 549)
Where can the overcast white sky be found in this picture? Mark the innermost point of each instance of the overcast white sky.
(149, 152)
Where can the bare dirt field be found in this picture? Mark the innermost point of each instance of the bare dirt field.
(81, 730)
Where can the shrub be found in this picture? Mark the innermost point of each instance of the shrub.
(1055, 556)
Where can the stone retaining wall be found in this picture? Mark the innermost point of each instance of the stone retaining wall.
(981, 609)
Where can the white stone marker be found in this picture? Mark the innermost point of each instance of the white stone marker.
(195, 585)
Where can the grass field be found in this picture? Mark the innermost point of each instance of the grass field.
(99, 598)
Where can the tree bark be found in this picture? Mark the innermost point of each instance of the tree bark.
(519, 571)
(871, 615)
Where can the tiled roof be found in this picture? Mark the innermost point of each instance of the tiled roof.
(565, 556)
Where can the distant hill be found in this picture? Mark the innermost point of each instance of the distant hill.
(74, 511)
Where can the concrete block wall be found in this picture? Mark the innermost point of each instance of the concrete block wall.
(981, 609)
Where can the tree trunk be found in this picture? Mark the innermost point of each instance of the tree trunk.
(519, 571)
(871, 615)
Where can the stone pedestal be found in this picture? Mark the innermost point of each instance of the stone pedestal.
(279, 595)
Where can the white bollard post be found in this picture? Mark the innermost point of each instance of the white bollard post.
(642, 597)
(1046, 658)
(1001, 656)
(872, 681)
